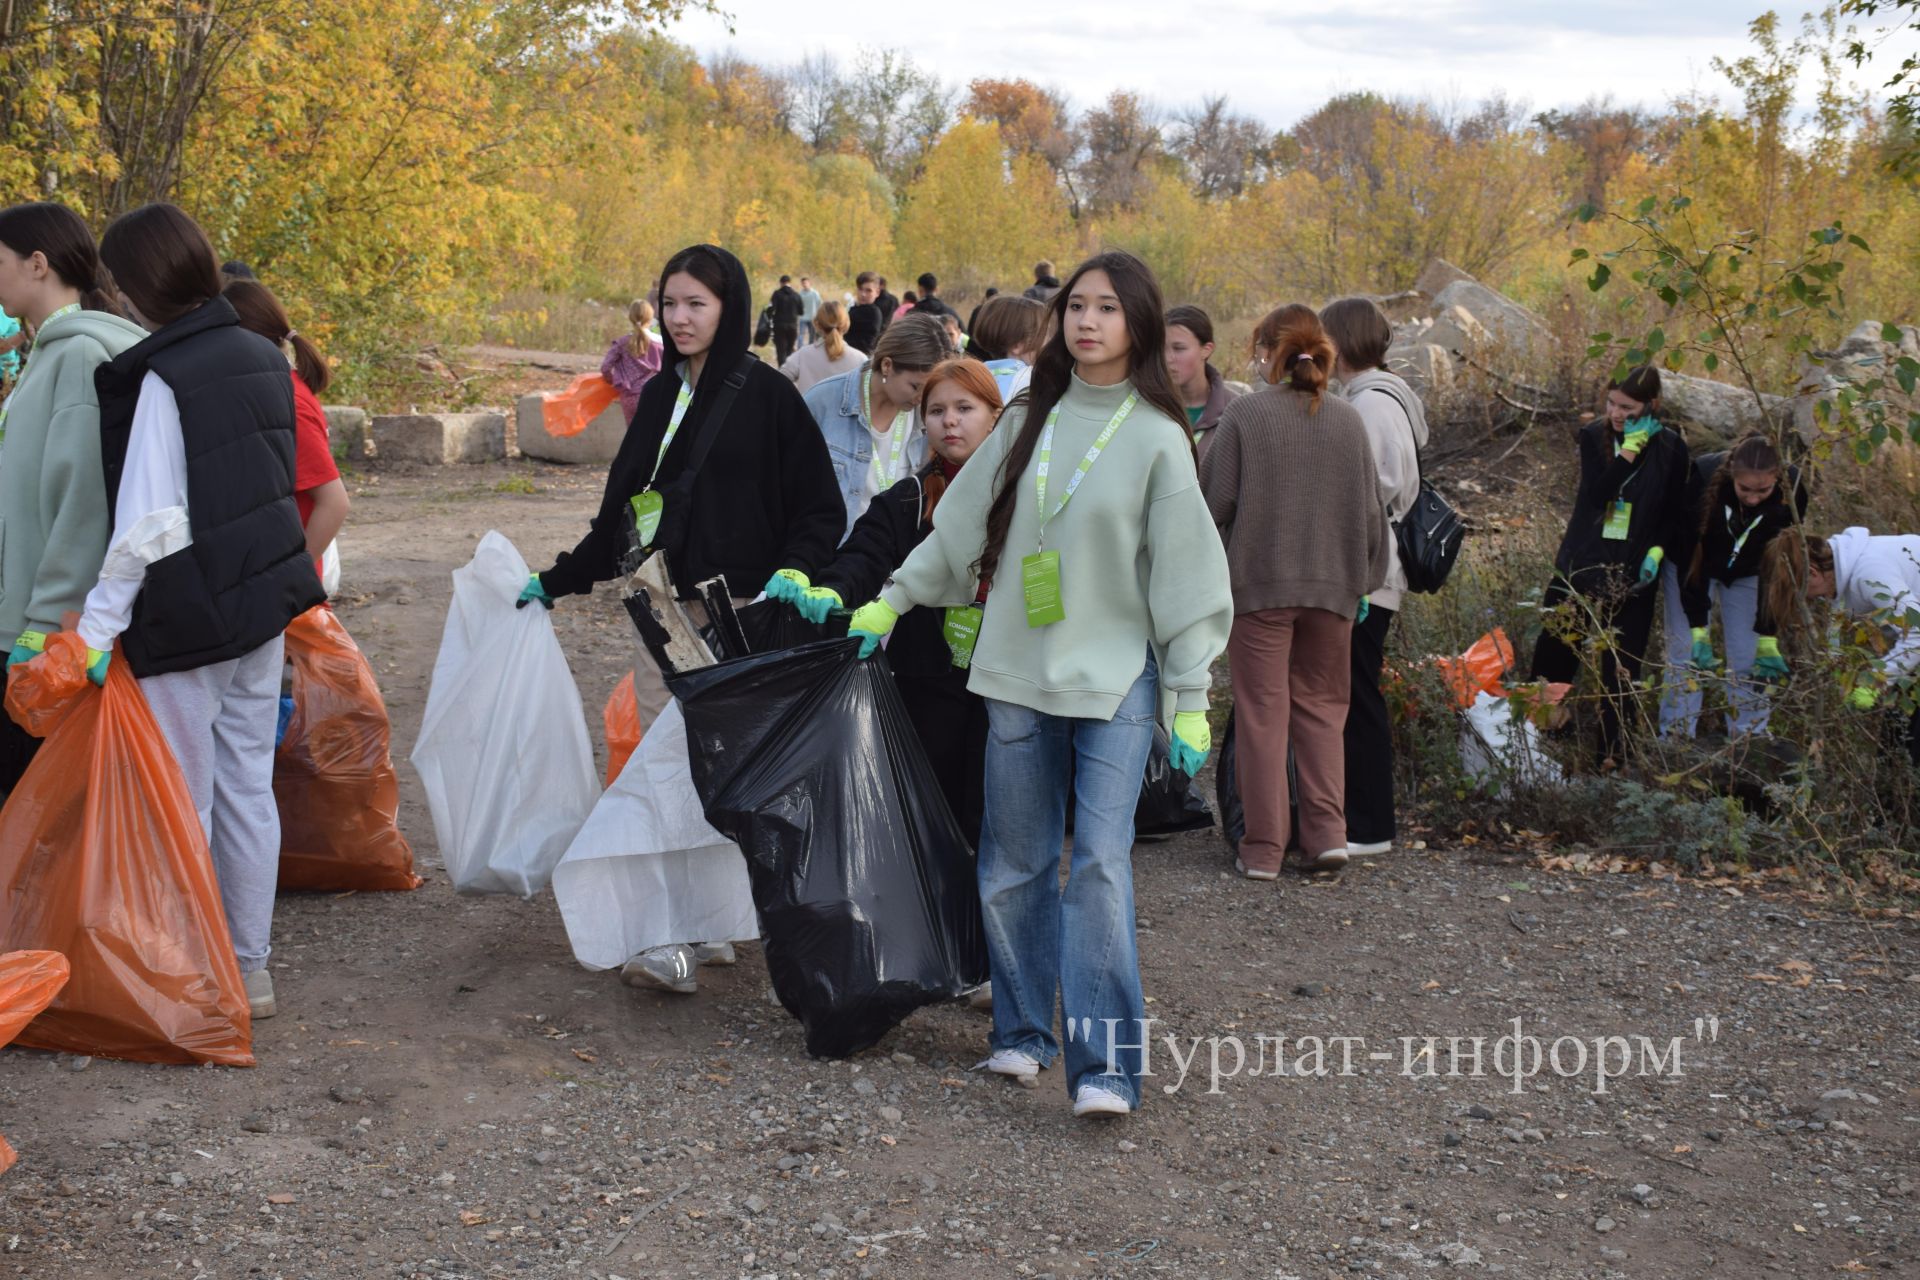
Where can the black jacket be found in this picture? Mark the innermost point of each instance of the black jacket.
(1752, 528)
(247, 573)
(766, 498)
(1043, 289)
(1655, 482)
(888, 304)
(881, 540)
(786, 307)
(934, 305)
(863, 326)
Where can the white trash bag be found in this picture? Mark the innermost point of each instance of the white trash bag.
(503, 747)
(647, 870)
(1493, 742)
(330, 569)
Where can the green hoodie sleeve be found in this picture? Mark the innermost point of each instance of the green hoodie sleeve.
(73, 496)
(1189, 591)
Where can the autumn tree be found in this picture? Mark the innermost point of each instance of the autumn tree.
(974, 217)
(1033, 122)
(1122, 141)
(1222, 151)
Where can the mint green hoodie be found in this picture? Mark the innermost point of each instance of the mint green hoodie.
(53, 497)
(1140, 564)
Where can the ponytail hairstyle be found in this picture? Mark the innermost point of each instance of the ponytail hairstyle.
(162, 260)
(1784, 575)
(830, 322)
(1145, 312)
(639, 315)
(260, 312)
(57, 232)
(1298, 350)
(1751, 453)
(977, 382)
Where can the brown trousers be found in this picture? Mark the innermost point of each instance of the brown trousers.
(1291, 672)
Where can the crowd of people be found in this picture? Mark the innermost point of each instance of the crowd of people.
(1055, 521)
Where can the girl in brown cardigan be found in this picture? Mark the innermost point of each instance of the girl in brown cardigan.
(1291, 482)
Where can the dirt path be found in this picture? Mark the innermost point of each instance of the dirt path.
(447, 1094)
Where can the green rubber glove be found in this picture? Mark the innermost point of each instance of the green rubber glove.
(1768, 665)
(29, 646)
(97, 666)
(787, 585)
(870, 623)
(1360, 616)
(1703, 658)
(1638, 432)
(534, 590)
(1646, 424)
(1192, 740)
(815, 603)
(1650, 567)
(1863, 697)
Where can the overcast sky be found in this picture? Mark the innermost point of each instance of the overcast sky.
(1271, 61)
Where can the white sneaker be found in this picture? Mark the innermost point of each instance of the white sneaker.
(1012, 1062)
(981, 997)
(260, 1001)
(1093, 1100)
(668, 968)
(1331, 860)
(1368, 850)
(718, 954)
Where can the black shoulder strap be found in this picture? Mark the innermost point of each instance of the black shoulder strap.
(1419, 467)
(722, 404)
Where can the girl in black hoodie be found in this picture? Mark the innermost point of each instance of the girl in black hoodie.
(1630, 508)
(764, 506)
(929, 654)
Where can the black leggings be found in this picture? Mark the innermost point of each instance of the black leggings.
(17, 748)
(1628, 615)
(1369, 737)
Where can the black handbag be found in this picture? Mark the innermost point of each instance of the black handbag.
(1429, 534)
(763, 331)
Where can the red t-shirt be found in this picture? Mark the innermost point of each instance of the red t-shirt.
(312, 451)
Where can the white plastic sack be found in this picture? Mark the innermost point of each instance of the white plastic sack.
(503, 747)
(330, 569)
(1492, 741)
(646, 870)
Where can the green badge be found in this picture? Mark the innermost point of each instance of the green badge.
(1040, 577)
(1619, 516)
(963, 632)
(647, 507)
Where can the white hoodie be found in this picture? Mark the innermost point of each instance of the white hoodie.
(1879, 579)
(1396, 431)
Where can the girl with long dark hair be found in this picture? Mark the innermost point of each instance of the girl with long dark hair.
(1106, 586)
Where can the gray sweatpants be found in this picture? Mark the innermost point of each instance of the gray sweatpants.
(220, 721)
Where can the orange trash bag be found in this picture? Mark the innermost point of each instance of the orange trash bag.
(333, 773)
(567, 413)
(622, 718)
(102, 859)
(1481, 668)
(29, 980)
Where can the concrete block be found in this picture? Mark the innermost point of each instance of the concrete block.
(439, 438)
(346, 431)
(594, 446)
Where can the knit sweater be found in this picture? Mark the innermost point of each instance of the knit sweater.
(1140, 564)
(1297, 499)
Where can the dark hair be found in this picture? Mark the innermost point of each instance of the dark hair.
(55, 231)
(928, 281)
(1006, 322)
(1140, 300)
(1298, 347)
(1642, 384)
(162, 260)
(1041, 270)
(786, 279)
(695, 261)
(980, 384)
(993, 291)
(1194, 321)
(1359, 330)
(910, 296)
(1750, 453)
(914, 342)
(234, 269)
(866, 277)
(261, 313)
(1784, 569)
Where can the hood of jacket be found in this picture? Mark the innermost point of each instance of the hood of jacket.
(735, 336)
(114, 333)
(1396, 386)
(1849, 548)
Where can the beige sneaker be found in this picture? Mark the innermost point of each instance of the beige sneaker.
(260, 1001)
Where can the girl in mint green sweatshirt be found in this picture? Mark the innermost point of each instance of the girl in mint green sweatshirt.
(1107, 586)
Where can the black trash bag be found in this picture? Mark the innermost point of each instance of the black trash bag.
(1233, 812)
(773, 625)
(1170, 801)
(863, 880)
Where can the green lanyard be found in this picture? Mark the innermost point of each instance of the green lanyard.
(681, 403)
(1740, 541)
(67, 310)
(647, 504)
(884, 470)
(1100, 442)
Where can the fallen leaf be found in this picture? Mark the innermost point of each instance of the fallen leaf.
(1797, 1227)
(1795, 966)
(585, 1056)
(471, 1218)
(1763, 977)
(280, 1197)
(1430, 984)
(886, 1139)
(696, 1213)
(1682, 1149)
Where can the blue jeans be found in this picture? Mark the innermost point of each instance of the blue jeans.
(1077, 942)
(1749, 704)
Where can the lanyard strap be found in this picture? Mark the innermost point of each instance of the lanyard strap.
(1740, 541)
(680, 404)
(1100, 442)
(884, 469)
